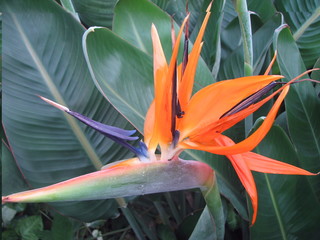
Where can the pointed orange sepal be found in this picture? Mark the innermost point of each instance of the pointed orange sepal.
(160, 71)
(245, 175)
(163, 75)
(122, 163)
(187, 81)
(271, 63)
(259, 163)
(149, 126)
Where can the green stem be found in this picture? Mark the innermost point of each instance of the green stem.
(245, 25)
(214, 204)
(173, 208)
(133, 223)
(163, 215)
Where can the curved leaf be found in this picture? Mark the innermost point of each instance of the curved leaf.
(288, 208)
(95, 12)
(49, 146)
(140, 14)
(121, 72)
(302, 106)
(303, 17)
(177, 10)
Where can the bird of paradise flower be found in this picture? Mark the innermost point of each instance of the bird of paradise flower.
(177, 121)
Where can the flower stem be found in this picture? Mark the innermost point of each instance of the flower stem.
(173, 208)
(133, 222)
(214, 204)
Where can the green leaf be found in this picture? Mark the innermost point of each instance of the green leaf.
(29, 227)
(203, 229)
(264, 9)
(62, 228)
(12, 180)
(48, 146)
(68, 5)
(7, 214)
(141, 14)
(121, 72)
(302, 106)
(232, 66)
(288, 208)
(177, 10)
(95, 12)
(303, 18)
(10, 235)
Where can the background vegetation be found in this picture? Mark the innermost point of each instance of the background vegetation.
(43, 55)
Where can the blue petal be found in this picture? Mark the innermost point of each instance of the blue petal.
(107, 130)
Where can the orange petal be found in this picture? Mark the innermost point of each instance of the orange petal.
(249, 143)
(244, 174)
(163, 75)
(210, 103)
(186, 84)
(149, 126)
(264, 164)
(271, 63)
(122, 163)
(160, 71)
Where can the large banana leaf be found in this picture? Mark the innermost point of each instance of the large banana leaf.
(46, 59)
(302, 107)
(303, 17)
(288, 208)
(12, 180)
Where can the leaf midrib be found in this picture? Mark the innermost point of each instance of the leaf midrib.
(276, 208)
(306, 24)
(57, 96)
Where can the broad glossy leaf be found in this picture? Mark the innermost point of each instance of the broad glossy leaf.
(95, 12)
(203, 229)
(122, 73)
(177, 10)
(140, 14)
(49, 146)
(303, 18)
(264, 9)
(288, 207)
(12, 180)
(302, 106)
